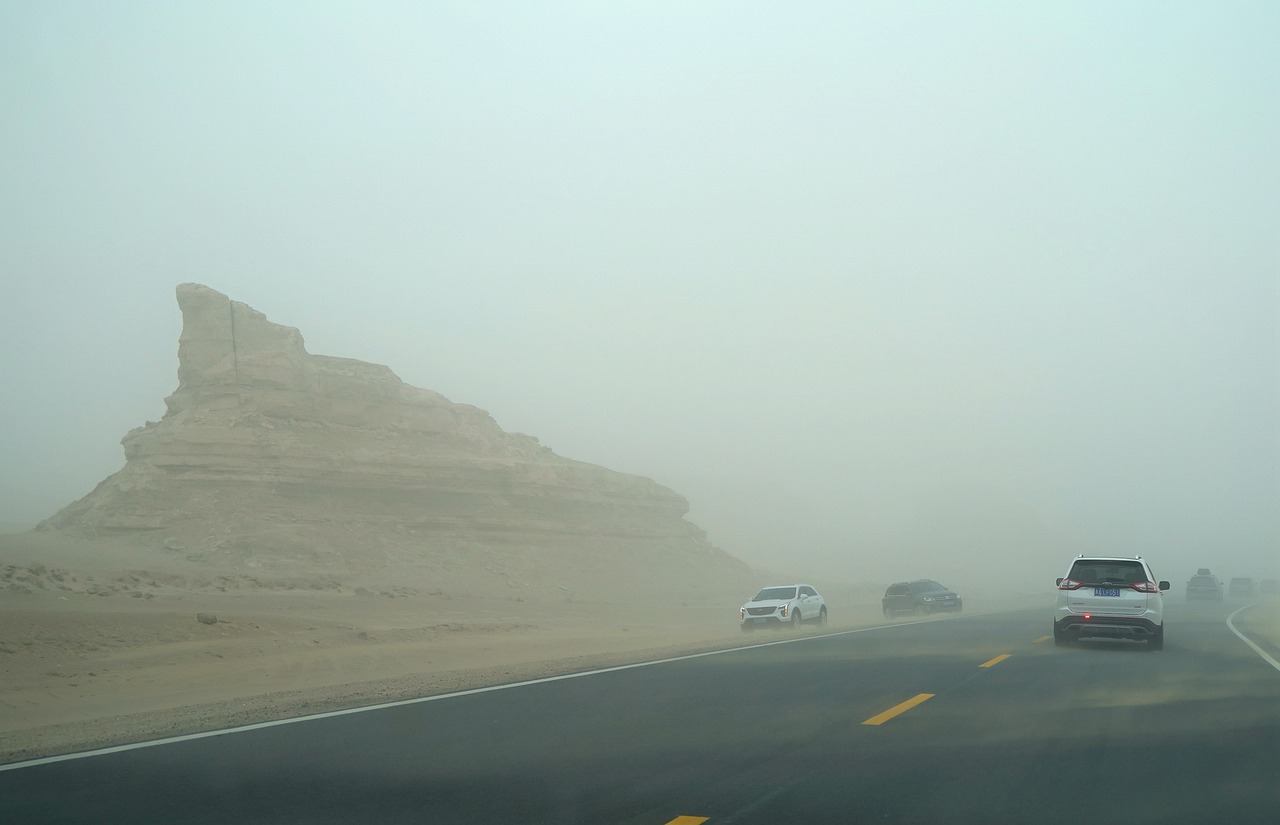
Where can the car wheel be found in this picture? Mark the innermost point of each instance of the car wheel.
(822, 617)
(888, 614)
(1156, 642)
(919, 611)
(796, 619)
(1060, 639)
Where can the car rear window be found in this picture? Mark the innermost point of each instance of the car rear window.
(1107, 572)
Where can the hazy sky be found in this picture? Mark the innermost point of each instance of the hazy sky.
(879, 286)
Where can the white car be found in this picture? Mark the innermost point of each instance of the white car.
(783, 605)
(1110, 597)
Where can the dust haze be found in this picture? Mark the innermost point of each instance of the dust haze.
(909, 290)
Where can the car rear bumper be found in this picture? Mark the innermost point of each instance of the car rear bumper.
(1115, 627)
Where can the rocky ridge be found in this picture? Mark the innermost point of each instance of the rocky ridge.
(271, 457)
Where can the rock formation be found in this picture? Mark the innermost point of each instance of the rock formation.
(268, 453)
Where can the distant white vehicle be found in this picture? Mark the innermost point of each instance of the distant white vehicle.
(783, 605)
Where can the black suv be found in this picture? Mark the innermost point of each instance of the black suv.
(920, 597)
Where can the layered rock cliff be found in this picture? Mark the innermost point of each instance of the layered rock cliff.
(268, 452)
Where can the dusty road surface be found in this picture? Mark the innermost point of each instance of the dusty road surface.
(971, 718)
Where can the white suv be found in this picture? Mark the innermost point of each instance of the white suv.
(785, 605)
(1113, 597)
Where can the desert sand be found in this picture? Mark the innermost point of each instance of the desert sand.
(105, 645)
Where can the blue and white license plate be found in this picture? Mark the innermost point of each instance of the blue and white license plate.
(1106, 591)
(759, 620)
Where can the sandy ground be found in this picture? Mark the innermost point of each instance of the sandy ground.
(78, 675)
(101, 648)
(95, 654)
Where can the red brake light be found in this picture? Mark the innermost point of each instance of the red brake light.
(1145, 587)
(1069, 584)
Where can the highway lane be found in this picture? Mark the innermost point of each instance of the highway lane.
(1100, 732)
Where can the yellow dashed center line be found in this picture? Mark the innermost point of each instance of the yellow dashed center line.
(881, 718)
(878, 719)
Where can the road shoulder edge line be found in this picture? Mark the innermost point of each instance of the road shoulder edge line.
(1266, 657)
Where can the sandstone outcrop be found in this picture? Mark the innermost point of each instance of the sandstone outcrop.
(268, 453)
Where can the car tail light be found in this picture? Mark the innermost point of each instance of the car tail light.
(1145, 587)
(1070, 584)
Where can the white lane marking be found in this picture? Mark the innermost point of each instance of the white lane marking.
(47, 760)
(1248, 641)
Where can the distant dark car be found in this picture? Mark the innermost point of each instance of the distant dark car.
(920, 597)
(1268, 587)
(1242, 587)
(1204, 588)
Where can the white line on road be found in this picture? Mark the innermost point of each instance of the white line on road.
(1247, 640)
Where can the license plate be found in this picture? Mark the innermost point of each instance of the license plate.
(1105, 591)
(759, 621)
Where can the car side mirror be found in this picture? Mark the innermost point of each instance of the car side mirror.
(1059, 582)
(1164, 585)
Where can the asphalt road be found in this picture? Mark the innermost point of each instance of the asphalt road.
(980, 719)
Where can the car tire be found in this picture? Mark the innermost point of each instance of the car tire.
(920, 610)
(1060, 639)
(796, 620)
(1156, 642)
(822, 617)
(888, 614)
